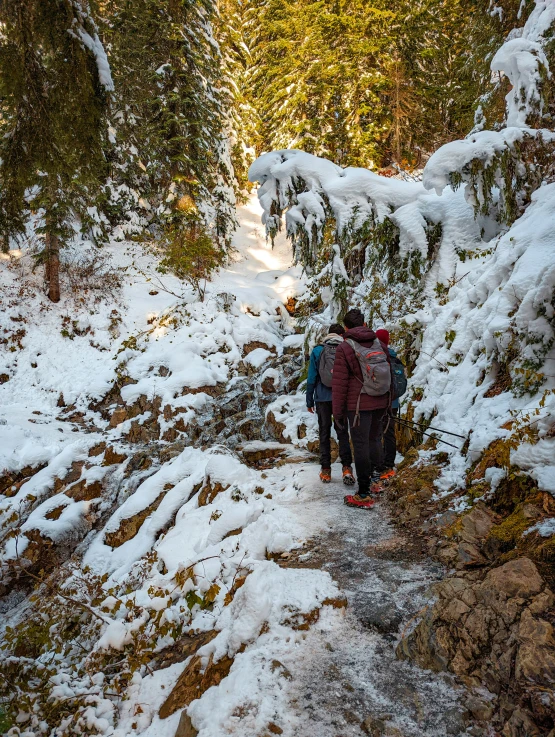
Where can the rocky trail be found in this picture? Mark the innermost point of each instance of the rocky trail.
(172, 565)
(348, 678)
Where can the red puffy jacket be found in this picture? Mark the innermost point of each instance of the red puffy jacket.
(347, 376)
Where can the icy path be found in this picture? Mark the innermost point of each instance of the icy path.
(346, 669)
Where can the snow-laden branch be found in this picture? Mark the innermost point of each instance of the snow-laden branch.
(85, 31)
(522, 59)
(311, 191)
(503, 168)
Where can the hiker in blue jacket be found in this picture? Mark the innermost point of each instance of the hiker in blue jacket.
(318, 394)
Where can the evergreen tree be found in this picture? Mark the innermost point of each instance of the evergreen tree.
(54, 85)
(244, 122)
(364, 83)
(171, 112)
(316, 76)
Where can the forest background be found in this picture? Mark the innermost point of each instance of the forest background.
(140, 119)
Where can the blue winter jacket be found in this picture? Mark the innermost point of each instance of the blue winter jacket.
(395, 403)
(315, 390)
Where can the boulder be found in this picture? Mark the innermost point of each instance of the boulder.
(275, 428)
(535, 661)
(377, 610)
(476, 525)
(446, 519)
(469, 556)
(517, 578)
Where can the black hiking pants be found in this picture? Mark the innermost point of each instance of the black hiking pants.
(367, 444)
(325, 420)
(389, 439)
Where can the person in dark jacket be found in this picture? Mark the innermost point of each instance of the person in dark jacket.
(389, 438)
(319, 395)
(366, 431)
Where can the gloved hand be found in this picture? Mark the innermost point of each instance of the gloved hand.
(311, 410)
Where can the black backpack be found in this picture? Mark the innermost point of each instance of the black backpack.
(399, 377)
(325, 363)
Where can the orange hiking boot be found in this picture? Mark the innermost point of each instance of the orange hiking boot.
(348, 478)
(389, 474)
(325, 475)
(362, 502)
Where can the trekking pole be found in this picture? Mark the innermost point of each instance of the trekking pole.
(430, 427)
(410, 427)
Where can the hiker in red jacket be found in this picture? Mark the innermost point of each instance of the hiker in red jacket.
(363, 400)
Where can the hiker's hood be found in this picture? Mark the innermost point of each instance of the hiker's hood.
(361, 334)
(333, 338)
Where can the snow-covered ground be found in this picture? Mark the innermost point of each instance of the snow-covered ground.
(202, 556)
(74, 348)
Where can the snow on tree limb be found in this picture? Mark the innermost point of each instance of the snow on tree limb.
(522, 59)
(91, 41)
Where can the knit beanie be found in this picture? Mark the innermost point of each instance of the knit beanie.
(383, 335)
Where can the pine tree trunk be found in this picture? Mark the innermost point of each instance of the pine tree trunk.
(52, 267)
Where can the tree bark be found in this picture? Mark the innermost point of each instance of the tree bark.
(52, 267)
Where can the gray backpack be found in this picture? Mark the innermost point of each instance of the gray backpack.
(376, 373)
(325, 363)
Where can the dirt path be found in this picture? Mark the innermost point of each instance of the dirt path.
(347, 671)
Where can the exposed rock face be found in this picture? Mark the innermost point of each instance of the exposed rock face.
(184, 648)
(275, 428)
(291, 305)
(82, 491)
(254, 344)
(185, 727)
(194, 681)
(112, 457)
(262, 453)
(118, 416)
(492, 622)
(10, 483)
(129, 527)
(210, 491)
(518, 578)
(495, 632)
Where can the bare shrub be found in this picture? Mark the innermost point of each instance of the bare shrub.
(90, 270)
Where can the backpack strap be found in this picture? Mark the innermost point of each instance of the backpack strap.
(356, 420)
